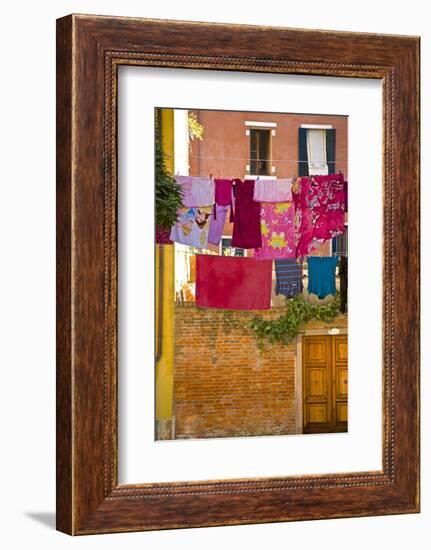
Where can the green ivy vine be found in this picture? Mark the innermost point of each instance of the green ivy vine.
(231, 322)
(285, 328)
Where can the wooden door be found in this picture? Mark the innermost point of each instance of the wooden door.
(324, 389)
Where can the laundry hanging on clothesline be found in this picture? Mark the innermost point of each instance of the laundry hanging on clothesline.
(261, 211)
(277, 230)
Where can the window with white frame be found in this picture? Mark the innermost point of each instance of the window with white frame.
(260, 136)
(260, 151)
(316, 149)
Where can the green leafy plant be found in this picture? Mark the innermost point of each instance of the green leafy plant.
(285, 328)
(168, 192)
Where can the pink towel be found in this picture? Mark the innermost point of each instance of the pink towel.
(197, 191)
(279, 190)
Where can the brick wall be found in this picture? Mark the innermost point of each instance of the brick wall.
(224, 386)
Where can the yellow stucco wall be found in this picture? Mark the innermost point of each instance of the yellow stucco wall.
(165, 365)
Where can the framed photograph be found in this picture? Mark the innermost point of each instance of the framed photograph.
(237, 274)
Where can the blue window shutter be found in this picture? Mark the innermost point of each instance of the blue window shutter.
(302, 152)
(330, 150)
(334, 246)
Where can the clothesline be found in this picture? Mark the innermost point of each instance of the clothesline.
(344, 162)
(192, 252)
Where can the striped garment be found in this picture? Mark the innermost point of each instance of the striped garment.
(288, 277)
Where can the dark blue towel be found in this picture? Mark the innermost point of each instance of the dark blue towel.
(321, 275)
(288, 277)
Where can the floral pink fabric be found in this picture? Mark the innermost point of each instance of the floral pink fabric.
(320, 204)
(279, 190)
(278, 231)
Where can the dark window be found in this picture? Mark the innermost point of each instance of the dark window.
(260, 151)
(227, 250)
(339, 245)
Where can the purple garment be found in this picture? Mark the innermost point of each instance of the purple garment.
(246, 225)
(217, 224)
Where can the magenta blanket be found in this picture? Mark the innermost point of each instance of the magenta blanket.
(229, 282)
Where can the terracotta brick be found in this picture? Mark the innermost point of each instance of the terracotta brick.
(224, 386)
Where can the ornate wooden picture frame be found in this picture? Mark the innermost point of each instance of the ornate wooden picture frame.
(89, 51)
